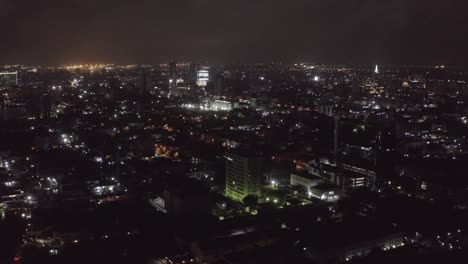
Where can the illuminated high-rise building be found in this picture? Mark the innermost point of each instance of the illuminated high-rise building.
(203, 76)
(244, 175)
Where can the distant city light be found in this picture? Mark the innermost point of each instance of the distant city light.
(75, 83)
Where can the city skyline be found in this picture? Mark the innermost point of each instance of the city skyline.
(233, 131)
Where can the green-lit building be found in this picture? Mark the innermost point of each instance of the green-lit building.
(8, 79)
(244, 175)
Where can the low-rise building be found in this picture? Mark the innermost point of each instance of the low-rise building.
(305, 179)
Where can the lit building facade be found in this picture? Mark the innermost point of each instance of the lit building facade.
(8, 79)
(203, 76)
(243, 175)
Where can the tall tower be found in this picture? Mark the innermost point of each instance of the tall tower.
(244, 172)
(192, 76)
(173, 76)
(45, 106)
(218, 83)
(374, 76)
(146, 82)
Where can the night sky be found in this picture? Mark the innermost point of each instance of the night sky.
(234, 31)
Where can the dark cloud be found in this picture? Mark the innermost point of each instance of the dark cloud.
(152, 31)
